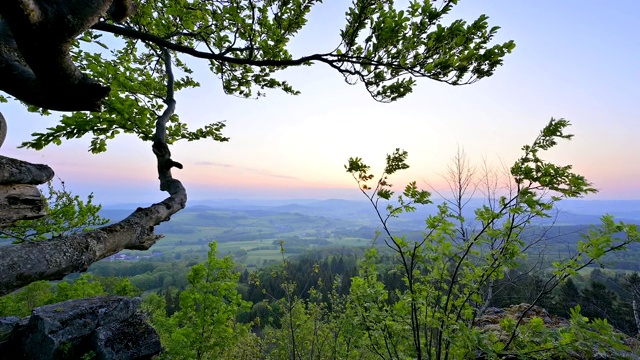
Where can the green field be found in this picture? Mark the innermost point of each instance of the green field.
(252, 237)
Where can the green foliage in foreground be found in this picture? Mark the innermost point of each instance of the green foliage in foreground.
(582, 339)
(40, 293)
(449, 274)
(205, 326)
(447, 280)
(66, 214)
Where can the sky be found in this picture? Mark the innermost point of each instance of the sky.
(573, 59)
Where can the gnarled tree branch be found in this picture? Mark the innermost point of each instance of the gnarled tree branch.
(53, 259)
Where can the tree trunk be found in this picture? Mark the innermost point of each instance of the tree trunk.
(60, 256)
(634, 304)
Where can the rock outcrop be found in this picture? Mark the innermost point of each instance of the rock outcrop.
(98, 328)
(491, 320)
(492, 317)
(20, 198)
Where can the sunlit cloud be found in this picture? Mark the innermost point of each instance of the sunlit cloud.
(212, 163)
(291, 146)
(249, 170)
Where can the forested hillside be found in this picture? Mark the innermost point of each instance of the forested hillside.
(491, 260)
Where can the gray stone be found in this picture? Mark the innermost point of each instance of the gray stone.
(107, 327)
(6, 327)
(131, 339)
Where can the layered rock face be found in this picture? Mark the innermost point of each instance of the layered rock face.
(20, 198)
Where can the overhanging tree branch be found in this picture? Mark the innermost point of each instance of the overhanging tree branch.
(135, 34)
(40, 63)
(334, 59)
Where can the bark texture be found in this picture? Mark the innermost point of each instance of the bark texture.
(3, 129)
(58, 257)
(35, 67)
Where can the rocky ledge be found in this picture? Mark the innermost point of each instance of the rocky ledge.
(98, 328)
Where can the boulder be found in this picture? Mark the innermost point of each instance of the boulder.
(492, 317)
(103, 327)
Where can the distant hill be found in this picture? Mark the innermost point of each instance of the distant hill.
(252, 231)
(570, 212)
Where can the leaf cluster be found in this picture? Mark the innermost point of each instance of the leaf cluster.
(386, 47)
(383, 46)
(40, 293)
(449, 275)
(205, 324)
(66, 214)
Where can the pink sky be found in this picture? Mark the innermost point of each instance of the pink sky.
(573, 59)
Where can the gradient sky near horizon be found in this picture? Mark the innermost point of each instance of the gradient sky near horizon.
(573, 59)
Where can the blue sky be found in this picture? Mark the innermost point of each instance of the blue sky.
(573, 59)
